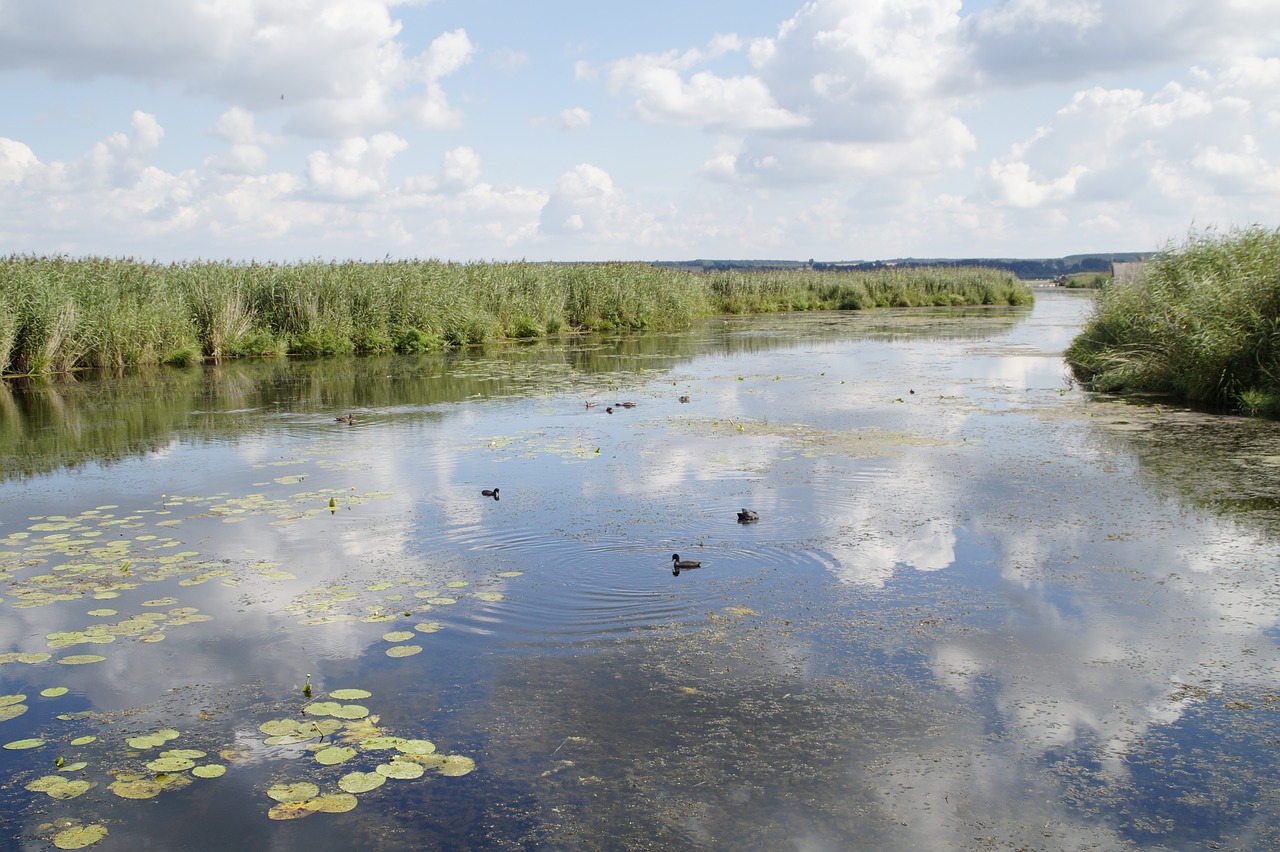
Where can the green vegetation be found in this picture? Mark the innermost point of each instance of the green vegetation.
(1202, 324)
(58, 315)
(1086, 280)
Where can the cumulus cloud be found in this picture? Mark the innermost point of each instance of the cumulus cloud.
(1180, 147)
(357, 168)
(584, 200)
(1021, 42)
(340, 65)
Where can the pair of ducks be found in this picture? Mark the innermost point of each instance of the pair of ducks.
(745, 516)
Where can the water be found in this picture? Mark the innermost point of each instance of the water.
(980, 609)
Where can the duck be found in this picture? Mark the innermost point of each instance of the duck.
(627, 404)
(609, 410)
(678, 564)
(591, 404)
(684, 398)
(746, 516)
(348, 419)
(490, 492)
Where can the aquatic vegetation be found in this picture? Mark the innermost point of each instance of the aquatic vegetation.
(73, 314)
(1201, 324)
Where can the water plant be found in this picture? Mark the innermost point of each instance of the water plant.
(1202, 324)
(59, 314)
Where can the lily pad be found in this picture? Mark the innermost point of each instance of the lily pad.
(135, 788)
(85, 740)
(81, 659)
(428, 627)
(22, 745)
(333, 803)
(333, 755)
(289, 810)
(361, 782)
(350, 694)
(299, 791)
(404, 650)
(78, 837)
(209, 770)
(416, 747)
(7, 700)
(398, 636)
(170, 764)
(12, 711)
(54, 691)
(401, 769)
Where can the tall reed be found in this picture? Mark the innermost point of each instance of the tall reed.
(1201, 324)
(58, 314)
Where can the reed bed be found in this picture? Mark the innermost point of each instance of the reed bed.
(1202, 324)
(59, 314)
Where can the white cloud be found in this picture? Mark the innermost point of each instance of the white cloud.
(585, 200)
(1021, 42)
(356, 169)
(340, 64)
(574, 118)
(1179, 148)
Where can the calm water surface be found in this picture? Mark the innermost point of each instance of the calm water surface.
(981, 609)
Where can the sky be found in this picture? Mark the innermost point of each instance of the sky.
(288, 130)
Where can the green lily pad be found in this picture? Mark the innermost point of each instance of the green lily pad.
(22, 745)
(489, 596)
(135, 788)
(73, 767)
(12, 711)
(350, 694)
(333, 755)
(170, 764)
(71, 789)
(81, 659)
(209, 770)
(7, 700)
(289, 810)
(299, 791)
(510, 573)
(85, 740)
(401, 769)
(404, 650)
(429, 627)
(416, 747)
(361, 782)
(78, 837)
(398, 636)
(333, 803)
(54, 691)
(380, 743)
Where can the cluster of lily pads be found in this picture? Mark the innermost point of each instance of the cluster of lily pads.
(408, 598)
(338, 734)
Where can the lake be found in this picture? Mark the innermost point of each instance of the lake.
(980, 607)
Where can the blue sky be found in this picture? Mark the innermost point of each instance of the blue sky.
(835, 129)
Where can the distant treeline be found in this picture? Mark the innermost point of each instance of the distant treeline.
(1025, 269)
(59, 314)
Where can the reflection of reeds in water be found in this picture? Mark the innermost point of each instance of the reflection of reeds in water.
(63, 314)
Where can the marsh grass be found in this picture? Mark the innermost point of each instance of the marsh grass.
(59, 314)
(1202, 324)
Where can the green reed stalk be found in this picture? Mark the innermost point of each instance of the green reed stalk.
(58, 314)
(1202, 324)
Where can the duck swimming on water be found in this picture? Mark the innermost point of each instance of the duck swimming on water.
(348, 419)
(490, 492)
(747, 516)
(678, 564)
